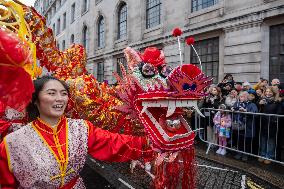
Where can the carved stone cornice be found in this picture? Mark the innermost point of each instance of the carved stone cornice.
(268, 1)
(242, 26)
(245, 20)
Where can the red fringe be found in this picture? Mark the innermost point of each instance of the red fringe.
(179, 173)
(189, 169)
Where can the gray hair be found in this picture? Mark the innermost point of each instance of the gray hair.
(242, 93)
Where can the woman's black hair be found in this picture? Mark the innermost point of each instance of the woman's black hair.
(39, 83)
(228, 75)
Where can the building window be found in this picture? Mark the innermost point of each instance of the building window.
(58, 26)
(202, 4)
(100, 72)
(276, 52)
(208, 51)
(73, 13)
(63, 45)
(153, 13)
(85, 35)
(101, 32)
(64, 21)
(121, 60)
(85, 6)
(72, 39)
(122, 22)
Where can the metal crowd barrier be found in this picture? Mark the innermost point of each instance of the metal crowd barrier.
(251, 140)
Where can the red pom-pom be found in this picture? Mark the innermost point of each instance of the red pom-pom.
(190, 70)
(190, 41)
(153, 56)
(177, 32)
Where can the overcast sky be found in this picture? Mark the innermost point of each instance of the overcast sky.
(28, 2)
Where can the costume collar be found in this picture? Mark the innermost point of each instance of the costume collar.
(42, 125)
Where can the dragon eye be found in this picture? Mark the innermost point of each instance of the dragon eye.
(193, 86)
(187, 86)
(165, 71)
(148, 70)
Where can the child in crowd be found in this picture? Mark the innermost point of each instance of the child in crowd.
(222, 125)
(250, 129)
(241, 103)
(239, 122)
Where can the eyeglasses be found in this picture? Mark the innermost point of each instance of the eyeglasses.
(149, 70)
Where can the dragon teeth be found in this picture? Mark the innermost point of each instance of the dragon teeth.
(171, 104)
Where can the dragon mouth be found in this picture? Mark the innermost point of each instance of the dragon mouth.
(164, 121)
(171, 105)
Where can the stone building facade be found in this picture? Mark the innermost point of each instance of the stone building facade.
(244, 38)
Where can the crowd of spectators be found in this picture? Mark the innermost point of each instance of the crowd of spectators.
(261, 135)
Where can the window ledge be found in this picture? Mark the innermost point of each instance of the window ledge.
(268, 1)
(155, 28)
(98, 1)
(206, 10)
(99, 50)
(85, 12)
(119, 41)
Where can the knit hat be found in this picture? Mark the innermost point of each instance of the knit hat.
(246, 83)
(251, 91)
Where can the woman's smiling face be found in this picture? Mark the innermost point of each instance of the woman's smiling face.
(214, 91)
(52, 99)
(234, 92)
(268, 93)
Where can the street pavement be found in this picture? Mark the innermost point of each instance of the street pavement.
(214, 172)
(211, 175)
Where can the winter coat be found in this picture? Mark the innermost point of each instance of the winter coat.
(210, 102)
(250, 120)
(269, 123)
(239, 117)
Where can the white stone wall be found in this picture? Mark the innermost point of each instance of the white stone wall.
(242, 52)
(242, 27)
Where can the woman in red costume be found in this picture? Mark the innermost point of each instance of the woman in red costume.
(50, 151)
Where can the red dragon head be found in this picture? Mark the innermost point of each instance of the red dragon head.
(157, 94)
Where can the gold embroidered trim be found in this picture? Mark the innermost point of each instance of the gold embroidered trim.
(8, 155)
(62, 162)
